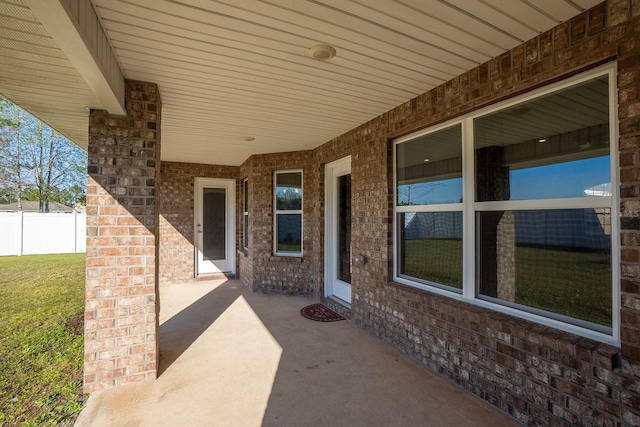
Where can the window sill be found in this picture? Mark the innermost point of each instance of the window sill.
(286, 258)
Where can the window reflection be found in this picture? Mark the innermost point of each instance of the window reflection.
(429, 168)
(289, 191)
(556, 146)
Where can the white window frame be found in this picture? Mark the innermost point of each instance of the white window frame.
(442, 207)
(470, 207)
(245, 214)
(277, 212)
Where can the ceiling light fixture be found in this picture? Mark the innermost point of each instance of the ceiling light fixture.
(248, 138)
(322, 52)
(426, 160)
(542, 140)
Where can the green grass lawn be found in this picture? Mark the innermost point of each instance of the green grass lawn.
(438, 261)
(574, 284)
(41, 342)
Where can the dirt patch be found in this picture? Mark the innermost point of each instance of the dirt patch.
(75, 325)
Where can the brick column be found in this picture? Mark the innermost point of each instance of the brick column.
(121, 301)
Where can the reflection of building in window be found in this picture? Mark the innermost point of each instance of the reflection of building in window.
(604, 218)
(535, 213)
(429, 178)
(602, 190)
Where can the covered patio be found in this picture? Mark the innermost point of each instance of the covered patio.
(230, 357)
(459, 177)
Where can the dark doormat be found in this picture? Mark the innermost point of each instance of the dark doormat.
(320, 313)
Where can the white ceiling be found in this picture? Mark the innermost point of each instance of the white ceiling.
(229, 69)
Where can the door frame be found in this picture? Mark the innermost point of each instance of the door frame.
(332, 170)
(230, 225)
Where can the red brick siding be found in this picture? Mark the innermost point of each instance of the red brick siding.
(121, 323)
(371, 202)
(274, 274)
(540, 375)
(176, 191)
(278, 274)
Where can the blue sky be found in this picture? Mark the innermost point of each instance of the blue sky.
(560, 180)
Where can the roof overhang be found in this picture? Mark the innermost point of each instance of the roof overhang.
(78, 34)
(236, 76)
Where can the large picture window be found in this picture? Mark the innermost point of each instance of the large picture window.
(288, 213)
(511, 207)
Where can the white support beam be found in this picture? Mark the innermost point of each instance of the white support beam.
(76, 30)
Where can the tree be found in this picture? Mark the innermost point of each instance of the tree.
(35, 159)
(11, 159)
(416, 193)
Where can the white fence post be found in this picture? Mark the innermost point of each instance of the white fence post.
(21, 233)
(81, 232)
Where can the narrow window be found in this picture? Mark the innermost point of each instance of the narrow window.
(288, 213)
(245, 214)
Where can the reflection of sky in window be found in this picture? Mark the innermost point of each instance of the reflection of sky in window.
(560, 180)
(431, 193)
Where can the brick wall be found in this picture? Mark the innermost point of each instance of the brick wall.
(176, 243)
(371, 180)
(277, 274)
(539, 375)
(121, 294)
(288, 275)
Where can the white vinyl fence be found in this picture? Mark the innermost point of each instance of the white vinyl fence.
(28, 233)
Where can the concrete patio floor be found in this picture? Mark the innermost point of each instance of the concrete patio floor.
(233, 358)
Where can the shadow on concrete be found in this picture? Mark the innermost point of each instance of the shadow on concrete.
(230, 357)
(179, 332)
(262, 363)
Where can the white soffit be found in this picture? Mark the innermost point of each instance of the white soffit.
(230, 69)
(47, 67)
(75, 28)
(35, 73)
